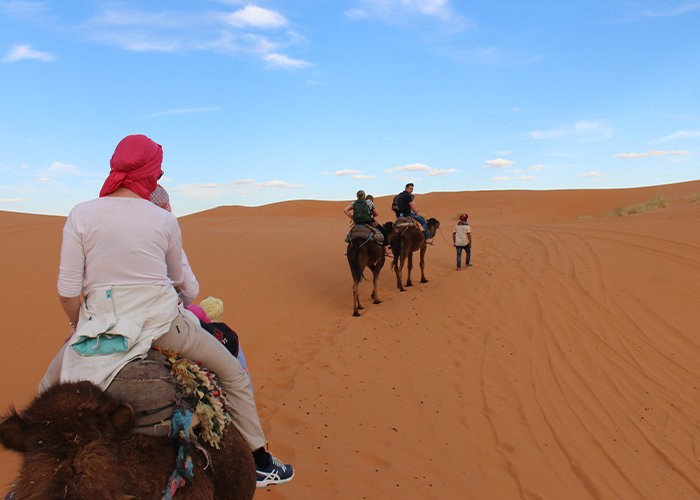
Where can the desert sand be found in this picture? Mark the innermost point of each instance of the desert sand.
(564, 364)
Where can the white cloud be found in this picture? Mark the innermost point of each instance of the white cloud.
(241, 182)
(325, 172)
(58, 169)
(43, 179)
(583, 130)
(185, 111)
(420, 167)
(503, 153)
(116, 17)
(681, 134)
(651, 152)
(23, 52)
(593, 174)
(212, 190)
(28, 10)
(412, 167)
(195, 29)
(207, 191)
(508, 178)
(347, 172)
(10, 200)
(133, 41)
(24, 166)
(256, 17)
(402, 11)
(362, 177)
(538, 168)
(498, 163)
(673, 11)
(286, 62)
(438, 171)
(279, 185)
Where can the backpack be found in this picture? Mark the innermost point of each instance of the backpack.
(395, 205)
(400, 205)
(223, 334)
(361, 213)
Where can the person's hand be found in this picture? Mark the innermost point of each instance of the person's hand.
(72, 331)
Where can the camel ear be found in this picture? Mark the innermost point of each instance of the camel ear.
(123, 419)
(12, 432)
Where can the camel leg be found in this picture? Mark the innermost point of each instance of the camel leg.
(422, 264)
(410, 266)
(355, 299)
(399, 268)
(375, 295)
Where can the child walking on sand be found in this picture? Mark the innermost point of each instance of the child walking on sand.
(462, 238)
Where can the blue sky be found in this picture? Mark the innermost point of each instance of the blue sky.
(255, 103)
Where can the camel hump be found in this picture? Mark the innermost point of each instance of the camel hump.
(149, 387)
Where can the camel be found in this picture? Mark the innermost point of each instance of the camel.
(406, 241)
(363, 253)
(77, 442)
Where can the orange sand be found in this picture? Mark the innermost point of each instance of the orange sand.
(563, 364)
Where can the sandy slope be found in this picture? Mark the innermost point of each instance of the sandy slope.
(563, 364)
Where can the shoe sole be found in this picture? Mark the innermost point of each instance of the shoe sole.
(272, 482)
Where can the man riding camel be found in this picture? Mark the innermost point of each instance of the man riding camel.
(407, 208)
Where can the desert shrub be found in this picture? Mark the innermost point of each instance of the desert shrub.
(694, 197)
(658, 201)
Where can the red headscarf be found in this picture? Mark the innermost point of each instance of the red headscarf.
(135, 165)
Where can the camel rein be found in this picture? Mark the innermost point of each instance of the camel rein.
(443, 235)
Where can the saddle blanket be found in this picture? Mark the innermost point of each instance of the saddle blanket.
(404, 222)
(365, 232)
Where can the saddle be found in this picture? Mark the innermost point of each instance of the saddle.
(164, 382)
(406, 222)
(366, 232)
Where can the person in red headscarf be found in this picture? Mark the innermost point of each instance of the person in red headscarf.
(121, 259)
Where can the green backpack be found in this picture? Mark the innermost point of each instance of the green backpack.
(361, 213)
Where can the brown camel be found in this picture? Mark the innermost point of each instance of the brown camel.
(406, 241)
(76, 442)
(364, 253)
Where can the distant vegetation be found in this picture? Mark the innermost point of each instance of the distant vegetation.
(694, 197)
(656, 202)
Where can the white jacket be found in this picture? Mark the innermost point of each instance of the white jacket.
(117, 324)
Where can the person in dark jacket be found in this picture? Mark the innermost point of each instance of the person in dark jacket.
(407, 208)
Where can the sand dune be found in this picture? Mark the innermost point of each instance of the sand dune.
(563, 364)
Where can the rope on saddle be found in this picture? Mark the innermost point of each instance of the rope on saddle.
(369, 237)
(199, 394)
(365, 242)
(184, 468)
(154, 411)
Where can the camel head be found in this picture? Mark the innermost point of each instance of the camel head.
(433, 225)
(67, 439)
